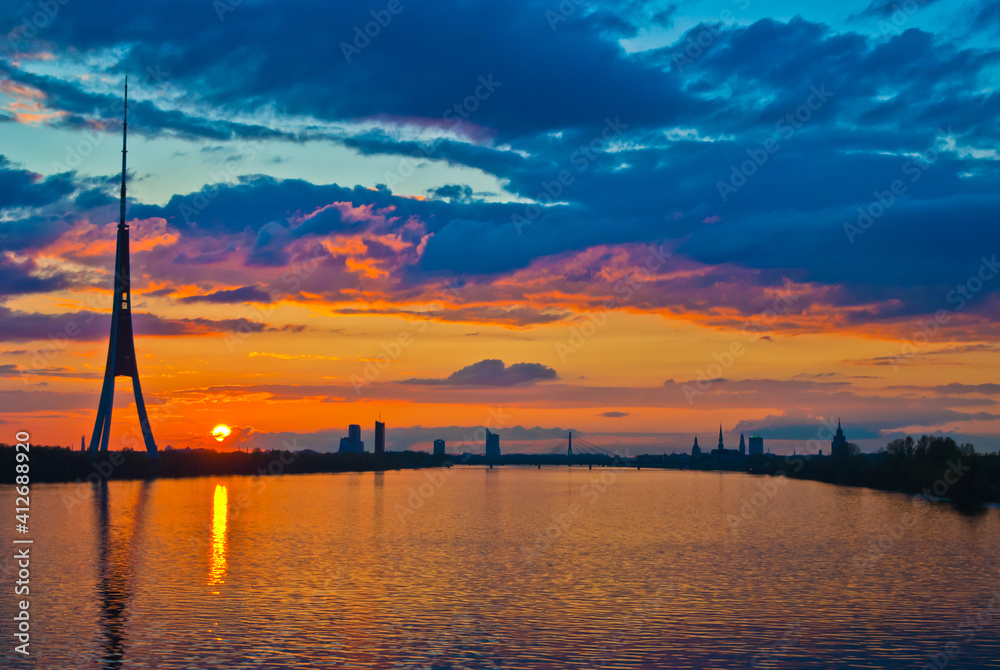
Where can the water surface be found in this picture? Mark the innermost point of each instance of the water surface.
(503, 568)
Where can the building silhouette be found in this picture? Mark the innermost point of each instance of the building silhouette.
(743, 446)
(839, 445)
(439, 448)
(725, 457)
(492, 444)
(695, 450)
(379, 437)
(756, 445)
(121, 347)
(352, 444)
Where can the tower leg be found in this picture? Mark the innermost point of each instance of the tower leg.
(102, 426)
(140, 405)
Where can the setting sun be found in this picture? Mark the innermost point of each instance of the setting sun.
(221, 432)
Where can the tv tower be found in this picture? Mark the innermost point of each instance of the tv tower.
(121, 348)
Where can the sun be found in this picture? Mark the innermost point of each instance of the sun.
(221, 432)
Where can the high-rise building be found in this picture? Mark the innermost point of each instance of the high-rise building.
(379, 437)
(743, 446)
(492, 444)
(756, 445)
(352, 444)
(439, 448)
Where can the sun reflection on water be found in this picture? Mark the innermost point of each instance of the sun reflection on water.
(220, 509)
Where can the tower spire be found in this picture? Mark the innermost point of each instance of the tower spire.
(121, 346)
(121, 205)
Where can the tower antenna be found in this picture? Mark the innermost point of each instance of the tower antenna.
(121, 346)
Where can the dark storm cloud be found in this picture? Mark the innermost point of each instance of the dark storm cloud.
(88, 326)
(492, 372)
(884, 9)
(237, 295)
(17, 279)
(543, 116)
(23, 188)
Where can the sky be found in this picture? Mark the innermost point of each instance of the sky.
(635, 220)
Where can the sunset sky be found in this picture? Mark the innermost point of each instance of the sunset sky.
(633, 220)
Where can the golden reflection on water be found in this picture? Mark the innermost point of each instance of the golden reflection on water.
(510, 567)
(220, 510)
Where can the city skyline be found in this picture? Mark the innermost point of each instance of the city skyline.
(628, 264)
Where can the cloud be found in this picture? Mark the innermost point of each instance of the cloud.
(22, 188)
(493, 372)
(614, 415)
(89, 326)
(459, 192)
(686, 126)
(884, 9)
(244, 294)
(20, 278)
(10, 371)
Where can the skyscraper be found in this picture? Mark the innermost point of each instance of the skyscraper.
(492, 444)
(352, 444)
(379, 437)
(439, 448)
(756, 445)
